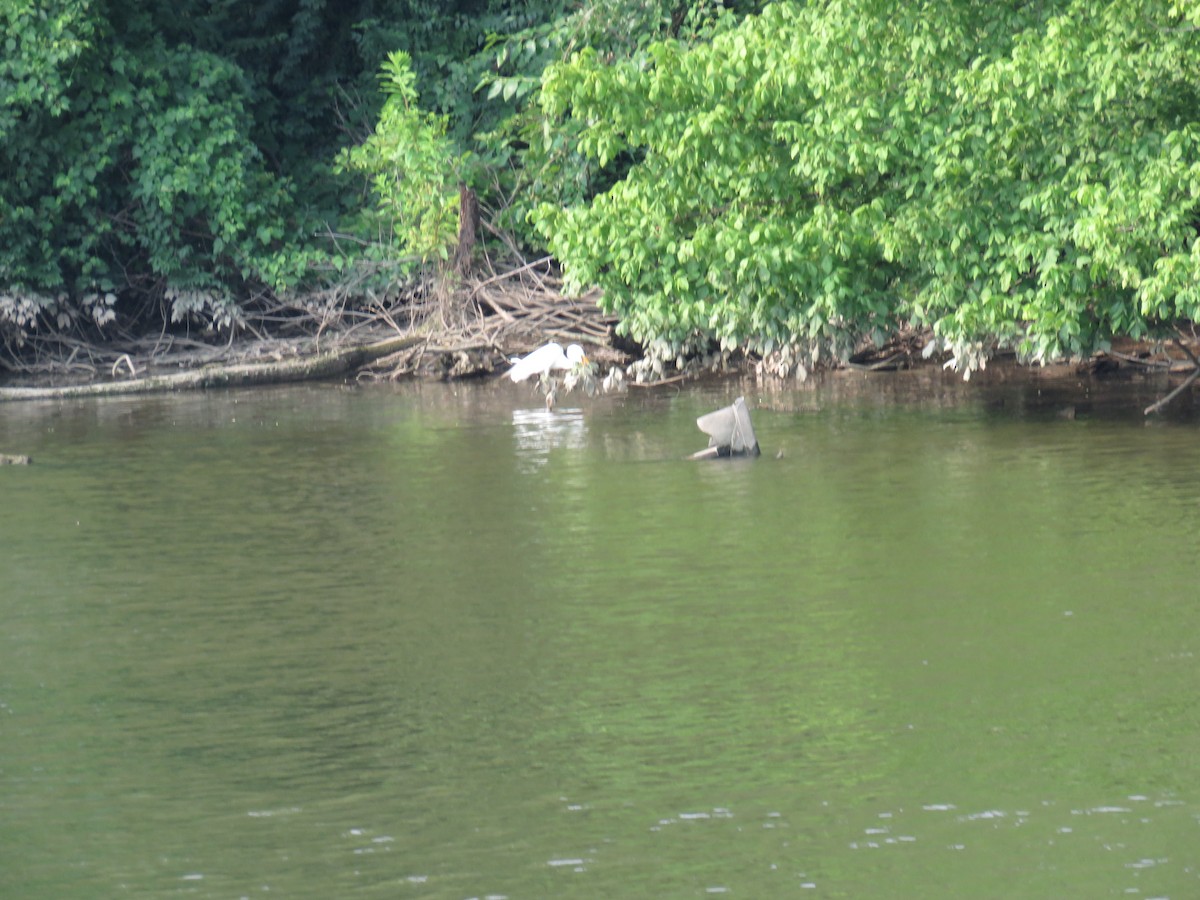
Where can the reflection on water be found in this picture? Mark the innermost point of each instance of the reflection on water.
(317, 642)
(539, 431)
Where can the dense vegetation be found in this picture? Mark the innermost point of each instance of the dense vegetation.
(1017, 172)
(189, 157)
(793, 179)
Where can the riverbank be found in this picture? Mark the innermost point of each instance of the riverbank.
(470, 328)
(448, 328)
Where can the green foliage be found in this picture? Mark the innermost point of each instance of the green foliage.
(1065, 186)
(482, 93)
(804, 174)
(414, 172)
(827, 172)
(135, 173)
(534, 159)
(440, 39)
(180, 154)
(184, 155)
(40, 42)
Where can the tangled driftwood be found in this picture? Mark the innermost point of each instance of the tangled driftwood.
(450, 327)
(484, 321)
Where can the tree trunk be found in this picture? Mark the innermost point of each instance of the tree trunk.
(308, 368)
(468, 228)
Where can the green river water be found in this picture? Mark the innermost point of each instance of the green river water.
(430, 641)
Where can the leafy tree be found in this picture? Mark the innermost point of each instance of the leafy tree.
(179, 156)
(413, 168)
(535, 159)
(131, 169)
(417, 151)
(1003, 173)
(186, 157)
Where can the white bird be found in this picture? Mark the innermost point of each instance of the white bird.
(545, 360)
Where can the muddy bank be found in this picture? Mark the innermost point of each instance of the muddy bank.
(470, 328)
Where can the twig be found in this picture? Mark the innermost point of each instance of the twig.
(503, 276)
(1138, 361)
(674, 379)
(1155, 407)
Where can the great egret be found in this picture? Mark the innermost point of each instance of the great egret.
(545, 360)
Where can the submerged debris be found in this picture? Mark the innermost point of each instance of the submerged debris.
(730, 432)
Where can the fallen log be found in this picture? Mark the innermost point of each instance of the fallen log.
(303, 368)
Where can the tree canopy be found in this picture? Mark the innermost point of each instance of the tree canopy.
(1003, 173)
(190, 156)
(797, 177)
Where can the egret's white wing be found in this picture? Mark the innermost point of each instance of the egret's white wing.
(541, 360)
